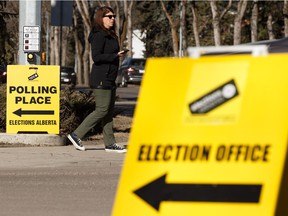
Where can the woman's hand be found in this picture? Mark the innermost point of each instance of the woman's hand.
(122, 53)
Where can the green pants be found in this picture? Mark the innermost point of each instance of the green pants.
(103, 113)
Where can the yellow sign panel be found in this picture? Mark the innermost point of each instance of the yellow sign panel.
(209, 137)
(33, 99)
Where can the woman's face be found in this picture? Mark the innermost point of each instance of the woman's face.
(109, 20)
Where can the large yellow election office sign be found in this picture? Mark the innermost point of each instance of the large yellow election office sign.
(209, 137)
(33, 99)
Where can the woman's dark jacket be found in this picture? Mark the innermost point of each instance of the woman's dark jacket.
(105, 50)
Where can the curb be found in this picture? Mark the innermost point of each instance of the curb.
(33, 139)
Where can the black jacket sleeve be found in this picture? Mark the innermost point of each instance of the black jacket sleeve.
(100, 52)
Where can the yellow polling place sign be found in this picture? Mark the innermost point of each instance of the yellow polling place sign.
(33, 99)
(209, 137)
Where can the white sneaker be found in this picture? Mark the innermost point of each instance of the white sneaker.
(115, 148)
(76, 141)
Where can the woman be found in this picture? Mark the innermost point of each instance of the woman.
(105, 55)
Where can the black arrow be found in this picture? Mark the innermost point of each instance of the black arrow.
(21, 112)
(158, 191)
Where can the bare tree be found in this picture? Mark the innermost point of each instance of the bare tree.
(122, 27)
(78, 50)
(174, 24)
(254, 21)
(285, 14)
(54, 45)
(9, 26)
(217, 18)
(195, 24)
(52, 48)
(183, 27)
(83, 7)
(117, 10)
(65, 31)
(241, 7)
(270, 27)
(128, 13)
(2, 33)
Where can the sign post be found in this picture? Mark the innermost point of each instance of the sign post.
(33, 94)
(209, 137)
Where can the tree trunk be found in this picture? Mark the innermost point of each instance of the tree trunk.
(2, 40)
(254, 21)
(195, 24)
(117, 22)
(52, 46)
(285, 14)
(173, 26)
(86, 59)
(55, 48)
(129, 28)
(215, 21)
(183, 26)
(216, 16)
(123, 31)
(270, 27)
(64, 45)
(241, 7)
(84, 12)
(78, 52)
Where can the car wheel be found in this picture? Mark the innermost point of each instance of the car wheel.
(123, 82)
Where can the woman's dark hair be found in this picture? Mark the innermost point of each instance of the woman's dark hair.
(98, 21)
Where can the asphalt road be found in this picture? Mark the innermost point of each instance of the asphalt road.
(129, 93)
(60, 181)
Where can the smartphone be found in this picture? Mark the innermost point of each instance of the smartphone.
(125, 50)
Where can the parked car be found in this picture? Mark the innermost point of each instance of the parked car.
(3, 74)
(131, 71)
(68, 75)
